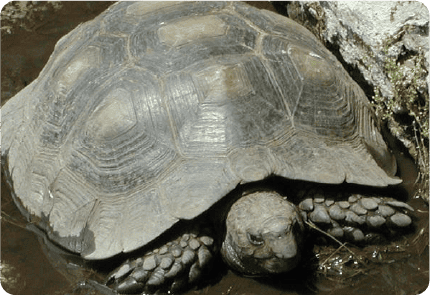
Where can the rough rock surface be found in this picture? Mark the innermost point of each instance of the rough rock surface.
(362, 30)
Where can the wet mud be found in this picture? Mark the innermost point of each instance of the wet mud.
(29, 267)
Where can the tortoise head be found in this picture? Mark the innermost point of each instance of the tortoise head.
(264, 234)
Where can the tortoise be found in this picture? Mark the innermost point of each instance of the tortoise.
(191, 119)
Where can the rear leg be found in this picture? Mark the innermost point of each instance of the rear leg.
(172, 267)
(357, 218)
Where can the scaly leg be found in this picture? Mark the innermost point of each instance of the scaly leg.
(357, 218)
(173, 266)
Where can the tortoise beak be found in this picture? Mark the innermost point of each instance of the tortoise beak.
(284, 247)
(285, 251)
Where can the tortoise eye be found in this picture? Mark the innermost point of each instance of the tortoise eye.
(255, 240)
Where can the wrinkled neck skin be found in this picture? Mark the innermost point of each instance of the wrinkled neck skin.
(264, 235)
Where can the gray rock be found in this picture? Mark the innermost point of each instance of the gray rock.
(361, 29)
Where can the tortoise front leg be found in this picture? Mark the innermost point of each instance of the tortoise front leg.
(172, 267)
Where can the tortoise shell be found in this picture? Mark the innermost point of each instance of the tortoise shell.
(152, 112)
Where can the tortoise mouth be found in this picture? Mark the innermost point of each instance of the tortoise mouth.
(274, 264)
(262, 261)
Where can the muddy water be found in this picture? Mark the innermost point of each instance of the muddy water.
(28, 267)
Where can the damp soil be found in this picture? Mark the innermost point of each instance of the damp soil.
(28, 266)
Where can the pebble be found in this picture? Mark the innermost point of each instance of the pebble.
(368, 203)
(401, 219)
(375, 221)
(319, 215)
(358, 209)
(385, 210)
(306, 205)
(336, 212)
